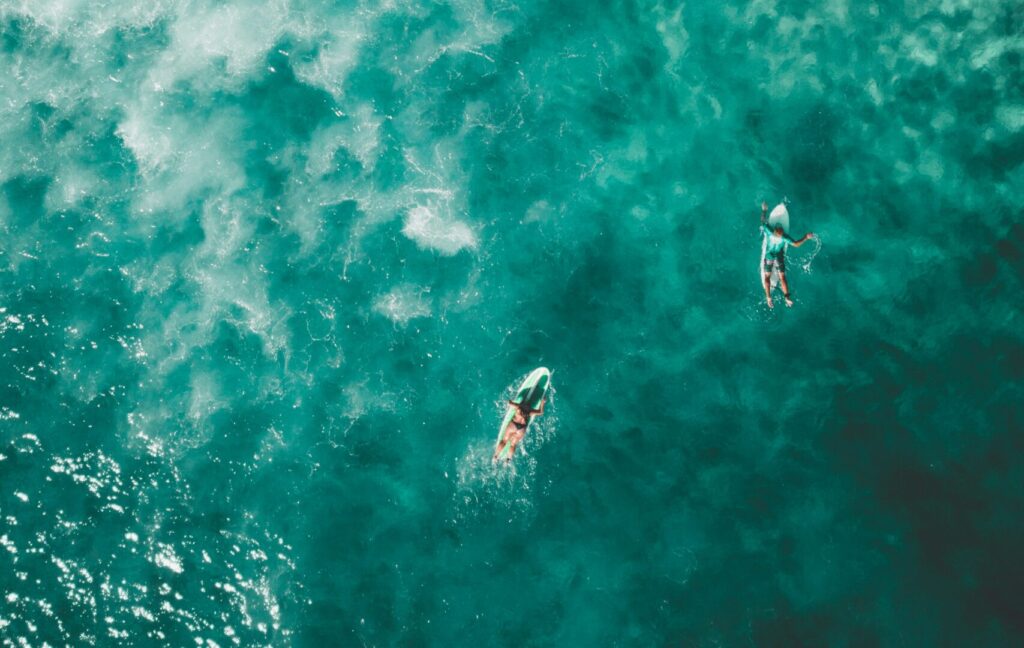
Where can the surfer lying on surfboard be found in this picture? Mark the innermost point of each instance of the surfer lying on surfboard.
(517, 428)
(775, 255)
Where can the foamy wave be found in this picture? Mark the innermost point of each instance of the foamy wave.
(429, 230)
(403, 303)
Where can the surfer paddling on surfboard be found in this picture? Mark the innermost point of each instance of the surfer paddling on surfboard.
(527, 402)
(516, 428)
(776, 240)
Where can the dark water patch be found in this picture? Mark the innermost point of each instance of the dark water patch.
(812, 158)
(25, 196)
(22, 35)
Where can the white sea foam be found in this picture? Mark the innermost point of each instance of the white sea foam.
(56, 15)
(88, 20)
(673, 34)
(151, 143)
(429, 230)
(202, 36)
(1011, 116)
(358, 134)
(204, 397)
(403, 303)
(338, 55)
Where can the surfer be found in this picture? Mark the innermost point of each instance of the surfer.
(775, 255)
(517, 428)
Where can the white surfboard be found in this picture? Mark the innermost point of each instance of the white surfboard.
(779, 216)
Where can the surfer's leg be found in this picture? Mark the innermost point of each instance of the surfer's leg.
(785, 288)
(501, 446)
(514, 440)
(768, 288)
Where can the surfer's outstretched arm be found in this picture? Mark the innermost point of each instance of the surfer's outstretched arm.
(808, 235)
(764, 212)
(540, 411)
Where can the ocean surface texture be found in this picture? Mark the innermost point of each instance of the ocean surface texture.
(269, 269)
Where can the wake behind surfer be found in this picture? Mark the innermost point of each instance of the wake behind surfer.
(776, 241)
(516, 429)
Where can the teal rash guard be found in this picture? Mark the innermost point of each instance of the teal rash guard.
(776, 244)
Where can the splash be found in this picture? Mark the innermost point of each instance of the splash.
(806, 264)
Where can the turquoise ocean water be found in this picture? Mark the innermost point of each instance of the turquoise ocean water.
(267, 271)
